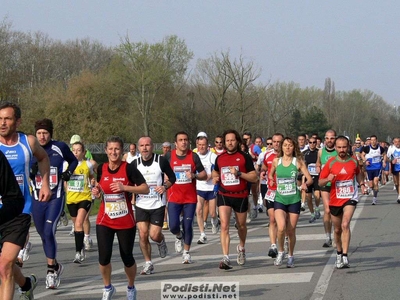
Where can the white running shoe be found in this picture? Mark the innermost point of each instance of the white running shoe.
(346, 263)
(214, 226)
(290, 262)
(72, 232)
(178, 245)
(186, 258)
(53, 279)
(205, 225)
(202, 239)
(87, 241)
(339, 262)
(241, 256)
(131, 294)
(162, 249)
(148, 268)
(279, 259)
(108, 293)
(374, 201)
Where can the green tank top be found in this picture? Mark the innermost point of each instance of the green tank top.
(325, 156)
(286, 180)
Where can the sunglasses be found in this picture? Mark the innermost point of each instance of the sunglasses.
(269, 144)
(312, 142)
(217, 142)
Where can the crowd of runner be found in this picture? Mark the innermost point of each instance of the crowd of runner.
(149, 193)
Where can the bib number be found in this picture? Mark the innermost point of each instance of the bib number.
(344, 189)
(287, 186)
(227, 178)
(115, 205)
(270, 195)
(180, 174)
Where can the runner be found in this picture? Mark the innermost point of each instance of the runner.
(46, 214)
(79, 197)
(19, 150)
(182, 195)
(166, 147)
(117, 181)
(287, 202)
(324, 154)
(340, 171)
(233, 171)
(131, 154)
(374, 158)
(394, 157)
(150, 208)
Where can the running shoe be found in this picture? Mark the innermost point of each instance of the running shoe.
(51, 281)
(327, 243)
(28, 295)
(286, 246)
(131, 294)
(303, 206)
(205, 225)
(260, 208)
(225, 264)
(290, 262)
(312, 218)
(398, 201)
(202, 239)
(186, 258)
(214, 226)
(339, 261)
(279, 259)
(248, 219)
(253, 213)
(236, 225)
(56, 277)
(317, 213)
(148, 268)
(77, 259)
(165, 226)
(72, 232)
(179, 245)
(108, 293)
(87, 241)
(241, 256)
(64, 218)
(162, 248)
(374, 201)
(272, 251)
(345, 262)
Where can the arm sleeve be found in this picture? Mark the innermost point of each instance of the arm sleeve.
(197, 161)
(166, 168)
(99, 169)
(134, 175)
(249, 163)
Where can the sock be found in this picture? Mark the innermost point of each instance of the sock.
(79, 236)
(179, 236)
(344, 254)
(149, 261)
(107, 287)
(185, 251)
(51, 268)
(339, 252)
(131, 287)
(273, 245)
(317, 208)
(27, 286)
(328, 235)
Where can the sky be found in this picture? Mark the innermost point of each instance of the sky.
(355, 43)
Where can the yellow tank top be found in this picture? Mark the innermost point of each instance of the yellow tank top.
(78, 187)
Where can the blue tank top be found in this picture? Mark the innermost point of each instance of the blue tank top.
(396, 156)
(19, 156)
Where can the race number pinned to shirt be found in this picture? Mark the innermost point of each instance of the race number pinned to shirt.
(115, 205)
(53, 179)
(227, 178)
(76, 183)
(152, 194)
(344, 189)
(287, 186)
(180, 174)
(20, 180)
(312, 169)
(270, 195)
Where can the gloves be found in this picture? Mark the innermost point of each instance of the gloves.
(34, 169)
(66, 175)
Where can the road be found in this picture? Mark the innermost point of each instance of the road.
(374, 257)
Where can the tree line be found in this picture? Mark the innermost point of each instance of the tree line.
(141, 88)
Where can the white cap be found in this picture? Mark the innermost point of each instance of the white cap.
(202, 134)
(75, 138)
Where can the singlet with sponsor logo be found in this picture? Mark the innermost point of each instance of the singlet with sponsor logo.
(343, 185)
(78, 187)
(286, 183)
(396, 157)
(268, 159)
(154, 177)
(374, 156)
(184, 189)
(310, 157)
(20, 156)
(208, 161)
(231, 185)
(325, 156)
(116, 208)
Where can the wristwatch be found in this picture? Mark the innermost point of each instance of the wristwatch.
(239, 173)
(165, 186)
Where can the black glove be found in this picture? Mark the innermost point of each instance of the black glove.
(34, 169)
(66, 175)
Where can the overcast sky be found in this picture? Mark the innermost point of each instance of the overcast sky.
(355, 43)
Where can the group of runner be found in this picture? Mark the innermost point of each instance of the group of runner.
(209, 181)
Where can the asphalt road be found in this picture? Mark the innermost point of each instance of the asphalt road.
(374, 258)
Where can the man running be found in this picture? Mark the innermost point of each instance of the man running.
(340, 171)
(150, 208)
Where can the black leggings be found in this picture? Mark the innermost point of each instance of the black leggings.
(105, 241)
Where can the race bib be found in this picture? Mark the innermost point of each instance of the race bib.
(20, 180)
(115, 205)
(180, 174)
(312, 169)
(287, 186)
(76, 183)
(270, 195)
(376, 159)
(227, 178)
(152, 194)
(53, 179)
(344, 189)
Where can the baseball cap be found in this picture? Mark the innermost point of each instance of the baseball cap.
(75, 138)
(368, 138)
(358, 139)
(202, 134)
(166, 144)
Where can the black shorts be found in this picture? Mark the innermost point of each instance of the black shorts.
(16, 230)
(73, 208)
(239, 205)
(325, 188)
(338, 210)
(314, 186)
(153, 216)
(263, 190)
(290, 208)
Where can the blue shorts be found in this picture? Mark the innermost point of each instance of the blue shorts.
(206, 195)
(386, 168)
(373, 174)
